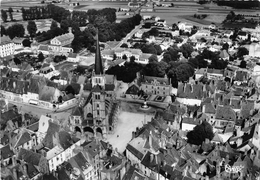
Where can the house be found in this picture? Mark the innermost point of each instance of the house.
(44, 49)
(228, 33)
(63, 40)
(7, 155)
(200, 73)
(108, 54)
(254, 49)
(215, 74)
(25, 139)
(188, 123)
(80, 164)
(18, 43)
(224, 115)
(161, 22)
(132, 91)
(7, 47)
(190, 94)
(10, 120)
(35, 159)
(156, 86)
(242, 35)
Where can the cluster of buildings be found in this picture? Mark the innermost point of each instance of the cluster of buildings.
(47, 148)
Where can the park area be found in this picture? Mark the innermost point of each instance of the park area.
(127, 123)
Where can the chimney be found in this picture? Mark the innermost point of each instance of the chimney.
(15, 174)
(151, 157)
(203, 108)
(133, 134)
(150, 139)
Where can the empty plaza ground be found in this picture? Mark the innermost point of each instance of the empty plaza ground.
(127, 123)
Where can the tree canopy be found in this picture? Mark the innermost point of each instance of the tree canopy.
(4, 15)
(32, 28)
(200, 132)
(16, 30)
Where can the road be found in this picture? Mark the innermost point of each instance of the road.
(128, 36)
(36, 111)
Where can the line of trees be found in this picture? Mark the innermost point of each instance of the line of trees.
(4, 14)
(106, 31)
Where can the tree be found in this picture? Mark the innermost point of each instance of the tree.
(32, 28)
(10, 10)
(124, 45)
(242, 51)
(4, 15)
(26, 43)
(124, 57)
(3, 30)
(225, 46)
(153, 32)
(186, 50)
(132, 59)
(184, 71)
(243, 64)
(53, 26)
(16, 30)
(200, 132)
(153, 58)
(64, 25)
(40, 57)
(158, 49)
(17, 61)
(149, 48)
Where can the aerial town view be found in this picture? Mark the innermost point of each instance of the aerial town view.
(130, 90)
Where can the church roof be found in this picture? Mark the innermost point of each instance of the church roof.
(98, 60)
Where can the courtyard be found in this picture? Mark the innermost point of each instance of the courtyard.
(127, 123)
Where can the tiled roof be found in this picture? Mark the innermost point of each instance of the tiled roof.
(190, 91)
(46, 93)
(29, 156)
(43, 48)
(65, 139)
(241, 76)
(87, 87)
(209, 108)
(150, 163)
(225, 113)
(6, 152)
(31, 170)
(24, 138)
(5, 40)
(77, 111)
(109, 87)
(72, 55)
(150, 79)
(188, 120)
(215, 71)
(134, 151)
(133, 174)
(64, 37)
(48, 139)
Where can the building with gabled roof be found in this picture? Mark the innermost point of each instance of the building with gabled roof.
(63, 40)
(7, 47)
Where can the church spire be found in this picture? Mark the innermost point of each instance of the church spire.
(98, 60)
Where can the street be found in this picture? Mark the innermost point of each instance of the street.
(36, 111)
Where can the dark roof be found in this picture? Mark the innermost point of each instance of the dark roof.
(242, 33)
(6, 152)
(87, 87)
(48, 177)
(190, 91)
(25, 137)
(109, 87)
(62, 174)
(31, 170)
(150, 163)
(76, 87)
(241, 76)
(11, 115)
(77, 111)
(133, 89)
(65, 139)
(150, 79)
(225, 113)
(29, 156)
(81, 161)
(98, 59)
(34, 86)
(48, 139)
(134, 151)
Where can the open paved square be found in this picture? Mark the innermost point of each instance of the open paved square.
(127, 123)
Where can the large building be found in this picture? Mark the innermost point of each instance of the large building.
(6, 47)
(97, 112)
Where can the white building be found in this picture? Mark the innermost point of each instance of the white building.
(63, 40)
(7, 47)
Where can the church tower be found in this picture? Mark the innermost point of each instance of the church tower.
(98, 94)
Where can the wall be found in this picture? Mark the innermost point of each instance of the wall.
(190, 102)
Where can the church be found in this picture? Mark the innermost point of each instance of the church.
(97, 112)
